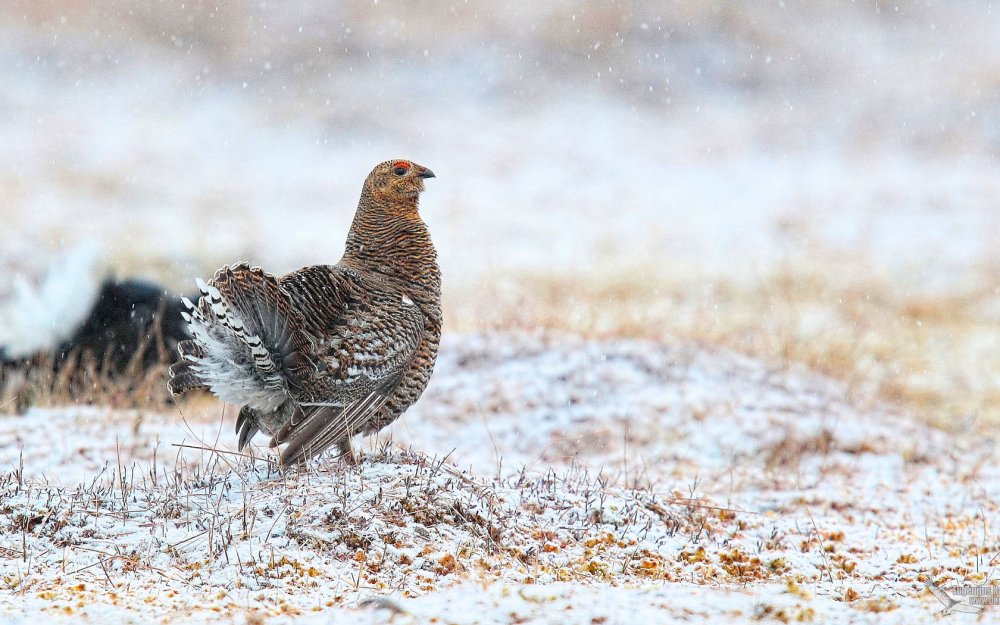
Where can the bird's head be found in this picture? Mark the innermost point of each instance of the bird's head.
(397, 180)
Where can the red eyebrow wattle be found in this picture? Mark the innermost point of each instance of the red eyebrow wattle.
(402, 164)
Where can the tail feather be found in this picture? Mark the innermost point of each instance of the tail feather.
(183, 379)
(229, 312)
(266, 307)
(252, 421)
(244, 326)
(189, 350)
(246, 426)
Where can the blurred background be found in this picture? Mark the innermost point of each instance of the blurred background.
(812, 183)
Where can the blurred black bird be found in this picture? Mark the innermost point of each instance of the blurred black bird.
(128, 316)
(122, 327)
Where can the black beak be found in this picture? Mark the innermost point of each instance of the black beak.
(426, 173)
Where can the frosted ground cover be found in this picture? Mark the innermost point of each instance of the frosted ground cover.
(539, 473)
(718, 141)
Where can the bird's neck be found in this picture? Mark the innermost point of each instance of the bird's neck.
(389, 237)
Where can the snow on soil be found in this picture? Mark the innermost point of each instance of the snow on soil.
(540, 479)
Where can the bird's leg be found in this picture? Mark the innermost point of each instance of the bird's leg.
(346, 452)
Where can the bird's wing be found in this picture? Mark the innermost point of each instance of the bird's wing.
(321, 427)
(362, 332)
(365, 332)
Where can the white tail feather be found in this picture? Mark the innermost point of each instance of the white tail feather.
(234, 363)
(38, 317)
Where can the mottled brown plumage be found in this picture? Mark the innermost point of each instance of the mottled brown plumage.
(327, 351)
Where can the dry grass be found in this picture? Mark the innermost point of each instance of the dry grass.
(933, 355)
(406, 523)
(40, 384)
(930, 354)
(82, 376)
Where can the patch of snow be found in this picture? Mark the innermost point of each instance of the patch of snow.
(593, 479)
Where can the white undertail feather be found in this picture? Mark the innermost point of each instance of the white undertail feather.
(39, 317)
(234, 363)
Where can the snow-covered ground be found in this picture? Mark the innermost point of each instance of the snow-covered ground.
(603, 480)
(543, 477)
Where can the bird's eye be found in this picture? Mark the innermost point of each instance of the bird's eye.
(400, 168)
(399, 171)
